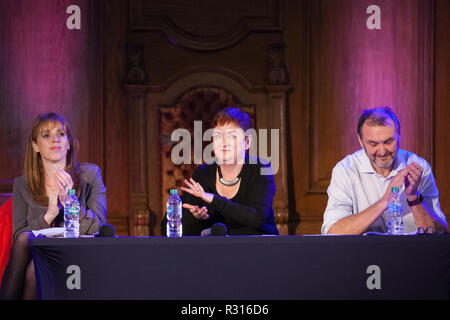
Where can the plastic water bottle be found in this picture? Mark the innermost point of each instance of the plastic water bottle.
(174, 213)
(71, 215)
(395, 212)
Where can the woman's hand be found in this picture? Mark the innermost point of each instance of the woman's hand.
(199, 213)
(65, 183)
(196, 190)
(53, 207)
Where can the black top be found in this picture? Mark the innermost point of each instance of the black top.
(249, 212)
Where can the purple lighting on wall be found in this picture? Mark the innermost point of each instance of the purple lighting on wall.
(43, 68)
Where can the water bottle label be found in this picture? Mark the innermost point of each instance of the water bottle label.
(394, 207)
(395, 217)
(73, 210)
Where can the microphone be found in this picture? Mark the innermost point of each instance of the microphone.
(105, 231)
(217, 229)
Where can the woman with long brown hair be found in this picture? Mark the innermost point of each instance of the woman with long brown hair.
(51, 169)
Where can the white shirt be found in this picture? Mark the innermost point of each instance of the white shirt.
(355, 186)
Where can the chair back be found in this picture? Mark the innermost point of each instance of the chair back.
(5, 234)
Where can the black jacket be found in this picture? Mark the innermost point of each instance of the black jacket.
(249, 212)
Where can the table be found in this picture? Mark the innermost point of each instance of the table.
(244, 267)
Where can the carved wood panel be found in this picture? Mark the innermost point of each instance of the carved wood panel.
(206, 25)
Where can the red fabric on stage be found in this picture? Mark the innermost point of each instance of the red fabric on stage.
(5, 235)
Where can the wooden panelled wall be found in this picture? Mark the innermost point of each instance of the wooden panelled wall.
(336, 67)
(46, 67)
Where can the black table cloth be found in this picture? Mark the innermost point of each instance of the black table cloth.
(247, 267)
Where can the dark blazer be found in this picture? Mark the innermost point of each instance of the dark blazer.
(29, 215)
(249, 212)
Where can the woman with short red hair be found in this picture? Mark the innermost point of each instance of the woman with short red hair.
(234, 190)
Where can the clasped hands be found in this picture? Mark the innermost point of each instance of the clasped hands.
(58, 194)
(197, 190)
(411, 176)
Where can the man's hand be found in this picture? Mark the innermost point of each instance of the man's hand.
(412, 180)
(397, 181)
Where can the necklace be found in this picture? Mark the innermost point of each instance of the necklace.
(228, 183)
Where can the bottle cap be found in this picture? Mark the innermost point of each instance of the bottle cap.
(173, 191)
(395, 189)
(71, 192)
